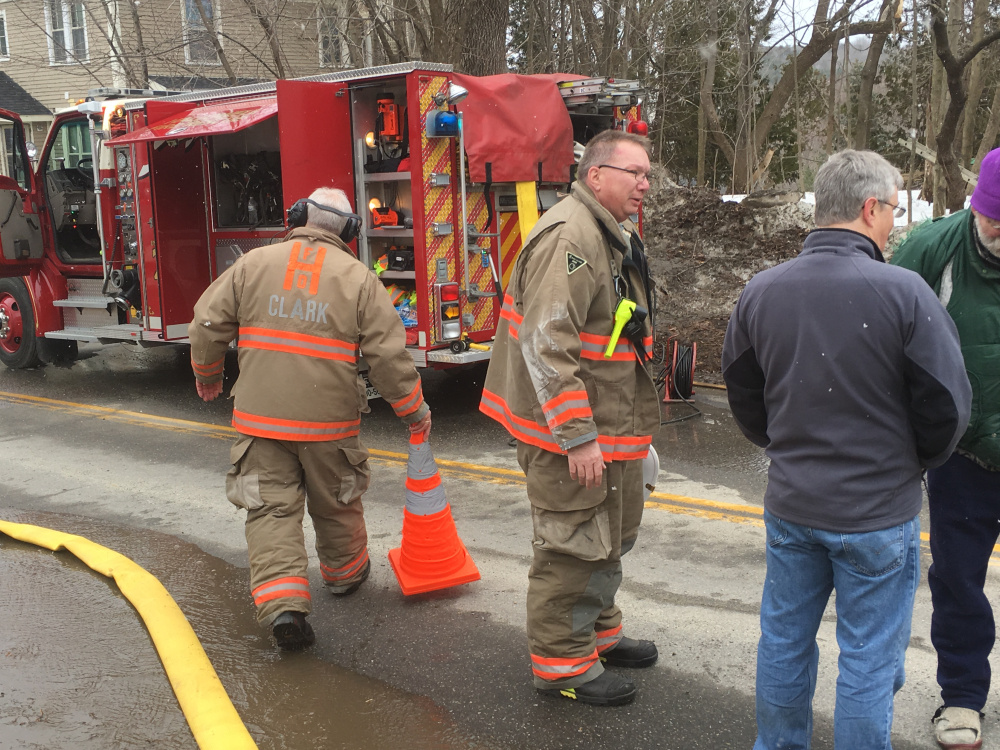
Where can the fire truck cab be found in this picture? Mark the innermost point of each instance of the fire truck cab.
(138, 202)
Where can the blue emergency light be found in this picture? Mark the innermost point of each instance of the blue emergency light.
(442, 124)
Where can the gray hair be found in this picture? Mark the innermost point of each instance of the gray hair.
(327, 220)
(602, 147)
(847, 180)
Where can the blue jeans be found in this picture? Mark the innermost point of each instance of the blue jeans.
(875, 575)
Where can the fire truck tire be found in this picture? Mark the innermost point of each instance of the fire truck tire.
(18, 345)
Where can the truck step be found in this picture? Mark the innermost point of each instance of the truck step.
(123, 332)
(464, 358)
(98, 303)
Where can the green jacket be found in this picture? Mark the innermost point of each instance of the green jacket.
(944, 253)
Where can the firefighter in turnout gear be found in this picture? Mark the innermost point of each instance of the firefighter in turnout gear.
(304, 311)
(579, 400)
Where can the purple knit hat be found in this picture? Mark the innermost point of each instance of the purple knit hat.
(986, 196)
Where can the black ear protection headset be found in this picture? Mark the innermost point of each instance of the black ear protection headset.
(299, 211)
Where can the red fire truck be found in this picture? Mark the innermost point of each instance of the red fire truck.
(137, 204)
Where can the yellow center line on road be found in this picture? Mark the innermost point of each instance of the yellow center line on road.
(714, 510)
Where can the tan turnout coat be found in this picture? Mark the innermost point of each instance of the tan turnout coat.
(304, 310)
(549, 382)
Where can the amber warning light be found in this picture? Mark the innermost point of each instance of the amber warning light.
(449, 318)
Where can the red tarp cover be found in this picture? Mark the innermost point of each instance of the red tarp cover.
(514, 122)
(213, 119)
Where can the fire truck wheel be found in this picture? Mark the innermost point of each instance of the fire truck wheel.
(18, 345)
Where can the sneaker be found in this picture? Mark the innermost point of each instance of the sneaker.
(631, 653)
(291, 631)
(606, 690)
(350, 588)
(957, 728)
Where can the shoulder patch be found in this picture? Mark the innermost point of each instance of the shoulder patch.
(574, 263)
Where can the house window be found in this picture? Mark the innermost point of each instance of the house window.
(330, 54)
(200, 22)
(67, 29)
(4, 49)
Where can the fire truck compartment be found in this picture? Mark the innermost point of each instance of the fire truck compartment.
(246, 171)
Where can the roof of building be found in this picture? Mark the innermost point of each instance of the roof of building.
(19, 101)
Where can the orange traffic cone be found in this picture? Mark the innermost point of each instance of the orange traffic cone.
(431, 556)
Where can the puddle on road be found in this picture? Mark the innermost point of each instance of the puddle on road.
(78, 670)
(711, 440)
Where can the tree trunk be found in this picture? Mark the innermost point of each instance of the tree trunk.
(609, 56)
(707, 116)
(746, 153)
(485, 49)
(935, 109)
(213, 36)
(992, 131)
(955, 69)
(868, 75)
(980, 17)
(847, 81)
(831, 98)
(702, 133)
(140, 46)
(116, 48)
(270, 35)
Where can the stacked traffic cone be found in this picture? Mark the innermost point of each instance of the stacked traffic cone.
(431, 556)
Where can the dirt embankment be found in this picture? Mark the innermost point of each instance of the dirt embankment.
(702, 251)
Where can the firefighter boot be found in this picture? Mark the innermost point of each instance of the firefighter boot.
(631, 653)
(606, 690)
(291, 631)
(350, 588)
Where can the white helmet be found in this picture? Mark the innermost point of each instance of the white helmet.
(650, 471)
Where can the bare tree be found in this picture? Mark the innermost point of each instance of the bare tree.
(752, 133)
(980, 17)
(955, 66)
(870, 71)
(267, 25)
(211, 35)
(992, 130)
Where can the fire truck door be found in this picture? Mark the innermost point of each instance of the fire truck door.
(314, 120)
(181, 230)
(20, 228)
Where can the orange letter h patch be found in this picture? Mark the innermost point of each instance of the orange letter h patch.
(300, 272)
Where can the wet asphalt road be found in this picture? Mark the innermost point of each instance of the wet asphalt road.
(441, 670)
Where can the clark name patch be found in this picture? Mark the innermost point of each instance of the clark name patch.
(574, 263)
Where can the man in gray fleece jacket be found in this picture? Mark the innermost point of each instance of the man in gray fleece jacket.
(848, 372)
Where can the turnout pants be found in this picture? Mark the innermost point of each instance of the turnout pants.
(579, 538)
(276, 481)
(964, 501)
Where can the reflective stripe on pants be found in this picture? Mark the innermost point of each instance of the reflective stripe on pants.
(285, 479)
(576, 571)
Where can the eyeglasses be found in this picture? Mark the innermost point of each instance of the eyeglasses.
(639, 176)
(897, 210)
(994, 225)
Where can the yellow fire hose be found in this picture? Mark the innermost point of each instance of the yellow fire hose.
(210, 714)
